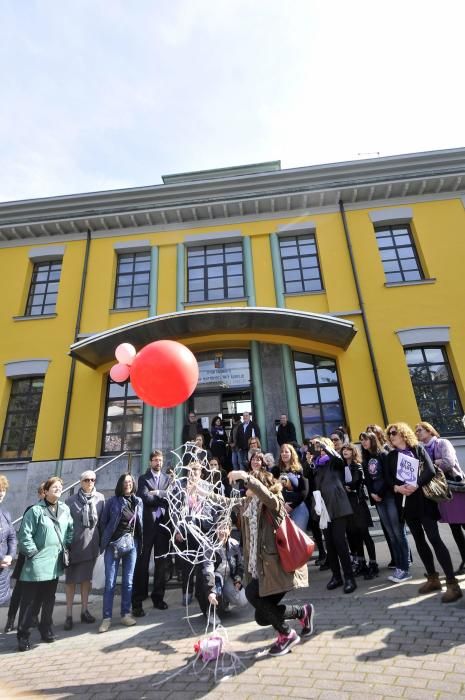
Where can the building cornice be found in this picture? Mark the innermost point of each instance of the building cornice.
(231, 198)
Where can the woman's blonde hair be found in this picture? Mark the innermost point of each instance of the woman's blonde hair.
(428, 427)
(405, 431)
(294, 464)
(4, 484)
(258, 442)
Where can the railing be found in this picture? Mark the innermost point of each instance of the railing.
(102, 466)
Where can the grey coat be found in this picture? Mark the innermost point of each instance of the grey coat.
(86, 541)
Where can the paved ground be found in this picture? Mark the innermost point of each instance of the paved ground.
(381, 642)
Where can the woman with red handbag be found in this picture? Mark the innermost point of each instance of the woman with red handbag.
(266, 580)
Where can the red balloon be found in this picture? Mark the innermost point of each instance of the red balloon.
(164, 373)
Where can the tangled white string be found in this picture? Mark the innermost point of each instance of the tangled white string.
(198, 513)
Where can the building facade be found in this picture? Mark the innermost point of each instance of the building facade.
(331, 293)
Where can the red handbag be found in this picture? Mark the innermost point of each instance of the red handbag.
(294, 546)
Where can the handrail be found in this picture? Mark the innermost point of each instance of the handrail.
(102, 466)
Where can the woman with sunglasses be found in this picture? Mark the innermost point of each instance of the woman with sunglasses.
(421, 514)
(444, 456)
(86, 507)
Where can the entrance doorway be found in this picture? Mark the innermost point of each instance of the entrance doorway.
(225, 404)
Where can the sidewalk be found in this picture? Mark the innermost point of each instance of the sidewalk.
(383, 641)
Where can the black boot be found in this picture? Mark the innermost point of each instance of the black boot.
(10, 625)
(349, 585)
(335, 582)
(23, 644)
(360, 567)
(372, 571)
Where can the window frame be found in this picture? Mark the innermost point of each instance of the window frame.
(428, 387)
(47, 266)
(301, 239)
(392, 228)
(11, 412)
(313, 359)
(206, 291)
(131, 257)
(123, 433)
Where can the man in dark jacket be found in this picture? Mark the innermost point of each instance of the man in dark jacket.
(152, 490)
(245, 431)
(285, 433)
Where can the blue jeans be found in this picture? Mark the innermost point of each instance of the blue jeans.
(111, 572)
(235, 458)
(244, 459)
(389, 516)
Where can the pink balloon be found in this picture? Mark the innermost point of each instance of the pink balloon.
(125, 353)
(119, 372)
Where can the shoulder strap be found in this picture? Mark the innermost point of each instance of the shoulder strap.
(55, 524)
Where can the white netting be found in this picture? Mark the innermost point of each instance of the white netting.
(198, 514)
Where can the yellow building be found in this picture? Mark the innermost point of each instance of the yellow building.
(330, 293)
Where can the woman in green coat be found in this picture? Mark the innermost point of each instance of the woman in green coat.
(46, 530)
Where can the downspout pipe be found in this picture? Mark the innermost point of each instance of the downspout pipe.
(72, 371)
(362, 307)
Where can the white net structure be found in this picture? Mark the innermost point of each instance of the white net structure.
(199, 513)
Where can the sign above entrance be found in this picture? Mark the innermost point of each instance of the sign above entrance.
(224, 370)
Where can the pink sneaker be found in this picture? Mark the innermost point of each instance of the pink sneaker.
(307, 620)
(284, 643)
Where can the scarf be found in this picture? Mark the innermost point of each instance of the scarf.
(430, 447)
(251, 512)
(321, 461)
(89, 511)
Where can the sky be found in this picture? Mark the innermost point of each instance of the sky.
(105, 94)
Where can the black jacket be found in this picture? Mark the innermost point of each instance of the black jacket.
(374, 469)
(329, 479)
(243, 436)
(286, 434)
(416, 505)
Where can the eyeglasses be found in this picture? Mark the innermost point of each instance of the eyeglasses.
(88, 479)
(392, 432)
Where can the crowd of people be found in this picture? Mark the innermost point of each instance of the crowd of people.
(325, 485)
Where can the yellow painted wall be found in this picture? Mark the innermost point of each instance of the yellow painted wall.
(387, 309)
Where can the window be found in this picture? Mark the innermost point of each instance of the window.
(21, 420)
(123, 419)
(215, 272)
(132, 280)
(435, 391)
(44, 288)
(319, 396)
(299, 259)
(398, 254)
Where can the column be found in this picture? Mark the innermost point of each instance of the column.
(180, 298)
(248, 271)
(147, 421)
(257, 383)
(277, 270)
(291, 390)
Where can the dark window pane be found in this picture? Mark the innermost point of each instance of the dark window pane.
(43, 290)
(435, 391)
(398, 254)
(218, 263)
(21, 418)
(132, 281)
(123, 420)
(319, 395)
(299, 259)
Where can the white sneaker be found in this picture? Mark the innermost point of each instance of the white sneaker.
(105, 624)
(128, 620)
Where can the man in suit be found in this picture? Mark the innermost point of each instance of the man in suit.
(245, 431)
(152, 490)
